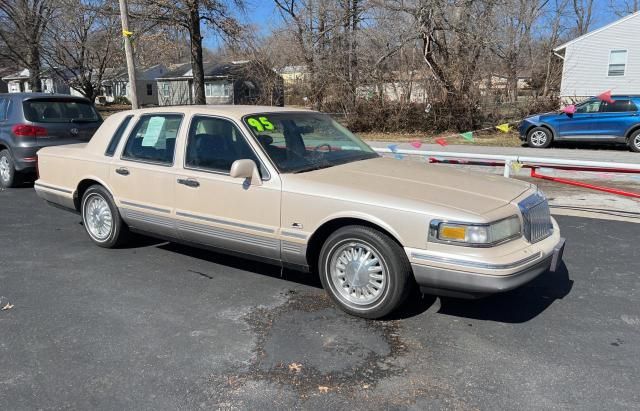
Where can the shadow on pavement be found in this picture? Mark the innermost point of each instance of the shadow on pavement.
(239, 263)
(516, 306)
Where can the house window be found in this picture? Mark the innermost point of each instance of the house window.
(165, 89)
(217, 89)
(617, 63)
(149, 89)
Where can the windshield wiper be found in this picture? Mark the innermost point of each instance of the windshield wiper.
(82, 120)
(314, 167)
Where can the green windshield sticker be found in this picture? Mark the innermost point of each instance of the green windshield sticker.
(260, 124)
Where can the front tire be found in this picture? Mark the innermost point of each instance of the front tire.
(366, 273)
(101, 218)
(634, 141)
(539, 137)
(8, 174)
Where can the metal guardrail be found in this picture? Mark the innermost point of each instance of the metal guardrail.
(533, 163)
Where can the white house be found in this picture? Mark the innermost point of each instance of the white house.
(115, 83)
(605, 59)
(50, 82)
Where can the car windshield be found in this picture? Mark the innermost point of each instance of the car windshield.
(53, 110)
(300, 142)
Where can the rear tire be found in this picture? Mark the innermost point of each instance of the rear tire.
(634, 141)
(101, 218)
(8, 174)
(364, 271)
(539, 137)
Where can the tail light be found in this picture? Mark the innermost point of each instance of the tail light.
(26, 130)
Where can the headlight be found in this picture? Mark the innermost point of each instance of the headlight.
(475, 235)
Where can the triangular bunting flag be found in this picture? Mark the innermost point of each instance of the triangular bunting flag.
(442, 142)
(393, 147)
(416, 144)
(504, 127)
(606, 97)
(516, 166)
(468, 135)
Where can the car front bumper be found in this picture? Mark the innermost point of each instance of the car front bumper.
(463, 283)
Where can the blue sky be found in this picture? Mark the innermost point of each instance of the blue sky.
(264, 15)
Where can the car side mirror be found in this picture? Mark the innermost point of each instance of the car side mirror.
(246, 169)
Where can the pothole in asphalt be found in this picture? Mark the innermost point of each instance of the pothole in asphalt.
(309, 345)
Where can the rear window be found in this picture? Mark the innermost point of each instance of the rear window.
(60, 111)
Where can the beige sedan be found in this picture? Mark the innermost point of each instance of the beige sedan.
(295, 188)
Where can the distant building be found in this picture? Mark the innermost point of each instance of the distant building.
(243, 82)
(500, 83)
(294, 75)
(4, 86)
(50, 81)
(115, 83)
(604, 59)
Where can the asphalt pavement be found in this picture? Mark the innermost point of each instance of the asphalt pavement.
(163, 326)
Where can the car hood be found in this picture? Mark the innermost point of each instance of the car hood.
(538, 118)
(408, 184)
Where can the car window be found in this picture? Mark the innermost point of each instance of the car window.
(591, 106)
(153, 139)
(56, 110)
(3, 108)
(117, 136)
(304, 141)
(618, 106)
(214, 144)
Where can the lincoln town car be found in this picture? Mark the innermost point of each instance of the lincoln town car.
(295, 188)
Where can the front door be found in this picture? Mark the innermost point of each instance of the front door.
(143, 178)
(215, 209)
(581, 123)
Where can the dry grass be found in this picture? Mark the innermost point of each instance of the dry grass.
(488, 138)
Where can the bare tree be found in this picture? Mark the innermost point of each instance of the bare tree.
(624, 7)
(514, 27)
(189, 15)
(80, 46)
(22, 27)
(583, 10)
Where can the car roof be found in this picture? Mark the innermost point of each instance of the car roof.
(28, 95)
(231, 111)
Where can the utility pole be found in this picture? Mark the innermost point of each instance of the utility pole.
(128, 51)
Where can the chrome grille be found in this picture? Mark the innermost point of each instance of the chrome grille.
(536, 217)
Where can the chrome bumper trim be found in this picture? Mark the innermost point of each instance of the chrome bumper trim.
(474, 264)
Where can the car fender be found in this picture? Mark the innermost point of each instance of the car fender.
(546, 125)
(360, 216)
(95, 178)
(631, 129)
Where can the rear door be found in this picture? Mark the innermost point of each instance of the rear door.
(61, 120)
(614, 119)
(143, 177)
(581, 124)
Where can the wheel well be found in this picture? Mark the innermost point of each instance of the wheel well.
(82, 187)
(324, 231)
(553, 134)
(633, 130)
(3, 147)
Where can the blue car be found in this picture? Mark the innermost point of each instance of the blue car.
(594, 120)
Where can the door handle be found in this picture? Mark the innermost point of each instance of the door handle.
(122, 171)
(189, 182)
